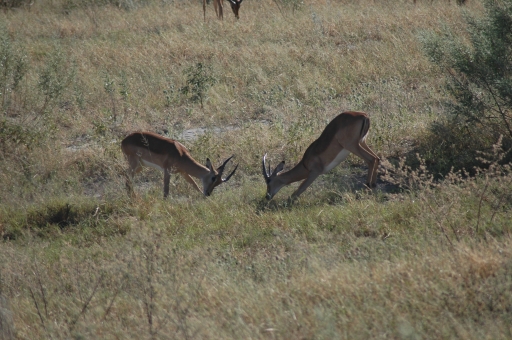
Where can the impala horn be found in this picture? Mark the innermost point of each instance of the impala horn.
(231, 174)
(264, 170)
(220, 169)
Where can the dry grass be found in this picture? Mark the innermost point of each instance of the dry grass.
(414, 259)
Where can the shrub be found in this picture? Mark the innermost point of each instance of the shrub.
(199, 80)
(479, 81)
(55, 77)
(13, 67)
(14, 3)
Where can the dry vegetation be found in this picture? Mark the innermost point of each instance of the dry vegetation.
(414, 259)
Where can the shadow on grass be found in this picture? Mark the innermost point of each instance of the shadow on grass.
(56, 216)
(330, 189)
(451, 145)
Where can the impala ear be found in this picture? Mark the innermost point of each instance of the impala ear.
(278, 169)
(209, 164)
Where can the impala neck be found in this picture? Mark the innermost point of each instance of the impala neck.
(197, 170)
(297, 173)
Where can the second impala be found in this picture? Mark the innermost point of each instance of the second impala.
(169, 156)
(344, 134)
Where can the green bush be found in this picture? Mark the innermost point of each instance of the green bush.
(13, 67)
(55, 77)
(199, 80)
(478, 67)
(14, 3)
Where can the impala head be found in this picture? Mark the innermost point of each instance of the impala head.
(274, 183)
(235, 6)
(214, 178)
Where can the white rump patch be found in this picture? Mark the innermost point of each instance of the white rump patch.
(152, 165)
(339, 158)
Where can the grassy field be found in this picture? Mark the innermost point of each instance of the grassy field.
(415, 258)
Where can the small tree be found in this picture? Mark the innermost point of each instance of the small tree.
(479, 69)
(55, 77)
(478, 66)
(13, 67)
(199, 81)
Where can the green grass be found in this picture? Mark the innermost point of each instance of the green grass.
(413, 259)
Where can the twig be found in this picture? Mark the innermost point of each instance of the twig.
(149, 304)
(439, 223)
(37, 307)
(480, 205)
(279, 7)
(41, 288)
(112, 302)
(86, 304)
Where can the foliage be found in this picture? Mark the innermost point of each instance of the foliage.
(489, 189)
(14, 135)
(14, 3)
(124, 4)
(479, 77)
(294, 5)
(199, 81)
(13, 67)
(55, 77)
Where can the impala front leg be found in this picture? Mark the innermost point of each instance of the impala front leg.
(167, 179)
(129, 185)
(305, 184)
(191, 181)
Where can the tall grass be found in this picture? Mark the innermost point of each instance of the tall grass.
(416, 258)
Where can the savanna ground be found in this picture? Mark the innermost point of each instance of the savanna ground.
(416, 258)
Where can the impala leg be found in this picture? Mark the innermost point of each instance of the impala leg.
(370, 158)
(204, 9)
(191, 181)
(167, 179)
(218, 8)
(376, 163)
(305, 184)
(134, 167)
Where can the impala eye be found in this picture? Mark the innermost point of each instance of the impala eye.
(214, 178)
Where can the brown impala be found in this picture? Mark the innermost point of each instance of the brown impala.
(344, 134)
(218, 5)
(169, 156)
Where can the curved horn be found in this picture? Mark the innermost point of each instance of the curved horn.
(231, 174)
(263, 168)
(221, 168)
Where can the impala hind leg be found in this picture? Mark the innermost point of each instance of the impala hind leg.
(372, 171)
(134, 167)
(364, 152)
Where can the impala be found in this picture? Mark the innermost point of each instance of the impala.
(169, 156)
(217, 4)
(344, 134)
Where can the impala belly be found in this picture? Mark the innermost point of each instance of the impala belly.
(152, 165)
(340, 157)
